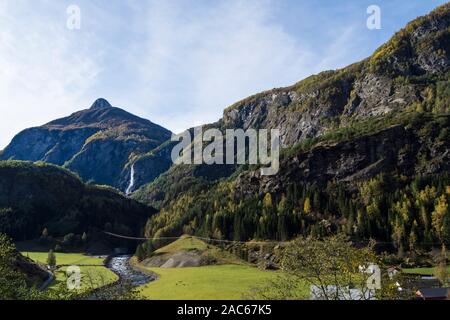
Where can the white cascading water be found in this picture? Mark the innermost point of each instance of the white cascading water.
(131, 185)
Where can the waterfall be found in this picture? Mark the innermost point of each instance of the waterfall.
(131, 184)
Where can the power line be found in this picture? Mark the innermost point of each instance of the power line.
(234, 241)
(176, 238)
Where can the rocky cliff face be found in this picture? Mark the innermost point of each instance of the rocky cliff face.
(408, 151)
(410, 73)
(398, 75)
(148, 166)
(96, 143)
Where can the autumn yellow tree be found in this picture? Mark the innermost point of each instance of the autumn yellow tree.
(267, 201)
(307, 206)
(440, 218)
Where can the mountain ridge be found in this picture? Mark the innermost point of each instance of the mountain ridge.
(34, 196)
(102, 136)
(382, 101)
(335, 99)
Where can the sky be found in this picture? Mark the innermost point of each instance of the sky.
(176, 63)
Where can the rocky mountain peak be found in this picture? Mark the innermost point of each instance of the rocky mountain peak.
(101, 103)
(100, 137)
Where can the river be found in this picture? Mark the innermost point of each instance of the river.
(128, 276)
(120, 265)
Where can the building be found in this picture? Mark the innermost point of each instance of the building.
(433, 294)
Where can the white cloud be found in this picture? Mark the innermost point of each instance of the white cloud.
(42, 74)
(199, 60)
(177, 63)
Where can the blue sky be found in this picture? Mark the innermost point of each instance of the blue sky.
(177, 63)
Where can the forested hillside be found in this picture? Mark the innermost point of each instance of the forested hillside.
(366, 152)
(38, 196)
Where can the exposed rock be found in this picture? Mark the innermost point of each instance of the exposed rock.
(333, 99)
(96, 143)
(392, 149)
(182, 259)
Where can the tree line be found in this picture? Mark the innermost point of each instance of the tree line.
(405, 213)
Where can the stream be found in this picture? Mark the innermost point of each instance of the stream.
(120, 266)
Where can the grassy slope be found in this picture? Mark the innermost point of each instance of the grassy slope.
(184, 243)
(188, 243)
(65, 258)
(92, 277)
(93, 272)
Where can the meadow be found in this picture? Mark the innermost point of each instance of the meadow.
(422, 271)
(224, 282)
(92, 277)
(65, 258)
(93, 272)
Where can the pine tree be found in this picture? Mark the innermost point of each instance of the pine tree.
(237, 227)
(282, 231)
(282, 228)
(361, 223)
(316, 201)
(398, 235)
(140, 254)
(440, 218)
(51, 259)
(413, 237)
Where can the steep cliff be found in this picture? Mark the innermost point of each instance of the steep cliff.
(382, 119)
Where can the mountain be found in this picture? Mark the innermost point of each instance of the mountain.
(400, 74)
(361, 145)
(365, 151)
(34, 196)
(409, 72)
(97, 143)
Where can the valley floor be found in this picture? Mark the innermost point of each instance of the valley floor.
(94, 274)
(224, 282)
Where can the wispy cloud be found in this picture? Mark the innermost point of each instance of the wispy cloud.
(198, 60)
(177, 63)
(42, 75)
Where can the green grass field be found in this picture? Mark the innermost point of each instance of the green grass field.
(184, 243)
(188, 243)
(92, 277)
(209, 282)
(93, 272)
(422, 271)
(65, 258)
